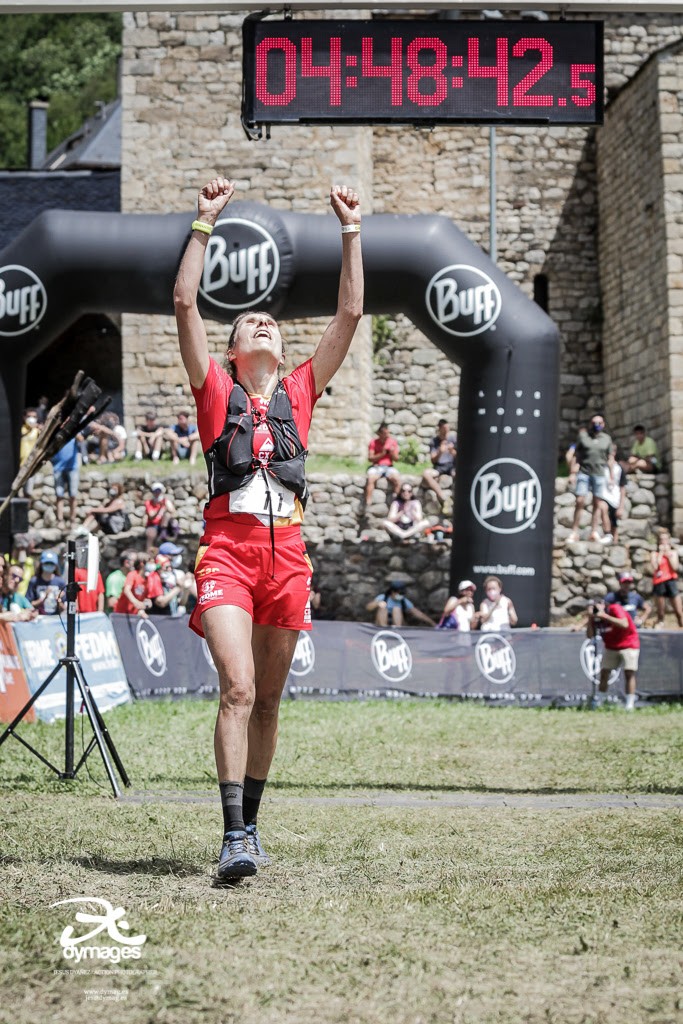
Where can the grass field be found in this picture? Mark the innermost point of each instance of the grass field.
(385, 902)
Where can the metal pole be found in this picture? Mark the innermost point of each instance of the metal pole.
(493, 244)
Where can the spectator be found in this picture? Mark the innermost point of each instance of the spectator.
(392, 606)
(65, 466)
(459, 612)
(14, 607)
(174, 552)
(168, 602)
(382, 453)
(184, 439)
(496, 612)
(22, 556)
(106, 437)
(111, 518)
(30, 432)
(42, 409)
(89, 600)
(622, 647)
(442, 451)
(615, 492)
(141, 587)
(406, 519)
(665, 564)
(630, 599)
(46, 589)
(644, 453)
(588, 468)
(160, 524)
(150, 437)
(115, 581)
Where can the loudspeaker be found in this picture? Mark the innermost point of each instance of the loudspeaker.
(15, 518)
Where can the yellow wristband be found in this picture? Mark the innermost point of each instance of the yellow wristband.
(349, 229)
(200, 225)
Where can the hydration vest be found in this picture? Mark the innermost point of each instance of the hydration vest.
(231, 461)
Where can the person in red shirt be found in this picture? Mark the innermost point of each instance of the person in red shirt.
(253, 574)
(664, 563)
(622, 647)
(382, 453)
(89, 600)
(141, 587)
(160, 524)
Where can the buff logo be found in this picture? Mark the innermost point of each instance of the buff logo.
(150, 647)
(591, 662)
(463, 300)
(241, 265)
(495, 659)
(23, 300)
(304, 656)
(506, 496)
(391, 656)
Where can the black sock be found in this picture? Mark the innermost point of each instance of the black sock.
(231, 801)
(253, 791)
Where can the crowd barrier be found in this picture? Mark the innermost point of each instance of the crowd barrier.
(162, 657)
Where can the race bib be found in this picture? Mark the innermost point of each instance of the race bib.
(253, 498)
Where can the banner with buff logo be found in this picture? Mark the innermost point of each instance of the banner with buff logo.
(163, 657)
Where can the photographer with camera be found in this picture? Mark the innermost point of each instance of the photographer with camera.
(622, 647)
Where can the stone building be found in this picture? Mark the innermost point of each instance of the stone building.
(588, 222)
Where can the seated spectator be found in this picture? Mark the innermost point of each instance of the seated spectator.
(644, 453)
(382, 453)
(89, 600)
(496, 612)
(105, 438)
(150, 437)
(14, 607)
(30, 432)
(46, 589)
(459, 612)
(406, 519)
(141, 587)
(115, 581)
(184, 439)
(160, 524)
(442, 451)
(628, 598)
(392, 606)
(111, 518)
(664, 563)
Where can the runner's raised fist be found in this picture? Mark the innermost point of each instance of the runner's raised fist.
(213, 198)
(345, 203)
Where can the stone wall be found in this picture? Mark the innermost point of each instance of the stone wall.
(353, 556)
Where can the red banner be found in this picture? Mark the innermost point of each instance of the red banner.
(14, 690)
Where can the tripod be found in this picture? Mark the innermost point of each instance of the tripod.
(74, 674)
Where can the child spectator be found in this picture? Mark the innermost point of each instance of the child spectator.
(496, 612)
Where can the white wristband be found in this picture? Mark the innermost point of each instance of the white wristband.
(348, 229)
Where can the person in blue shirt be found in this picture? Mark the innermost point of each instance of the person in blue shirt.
(65, 466)
(630, 599)
(392, 606)
(46, 589)
(184, 439)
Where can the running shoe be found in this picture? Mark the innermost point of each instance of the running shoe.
(235, 860)
(255, 848)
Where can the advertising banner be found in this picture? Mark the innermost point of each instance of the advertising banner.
(42, 643)
(163, 657)
(13, 686)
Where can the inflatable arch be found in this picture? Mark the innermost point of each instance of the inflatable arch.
(65, 264)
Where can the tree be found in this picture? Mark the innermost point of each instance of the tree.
(68, 59)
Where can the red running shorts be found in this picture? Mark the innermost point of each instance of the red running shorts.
(236, 568)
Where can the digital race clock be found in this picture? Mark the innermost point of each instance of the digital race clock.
(422, 72)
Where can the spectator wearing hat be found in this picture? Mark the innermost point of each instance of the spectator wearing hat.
(644, 452)
(160, 524)
(150, 437)
(627, 596)
(459, 612)
(392, 606)
(183, 437)
(46, 589)
(664, 563)
(622, 646)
